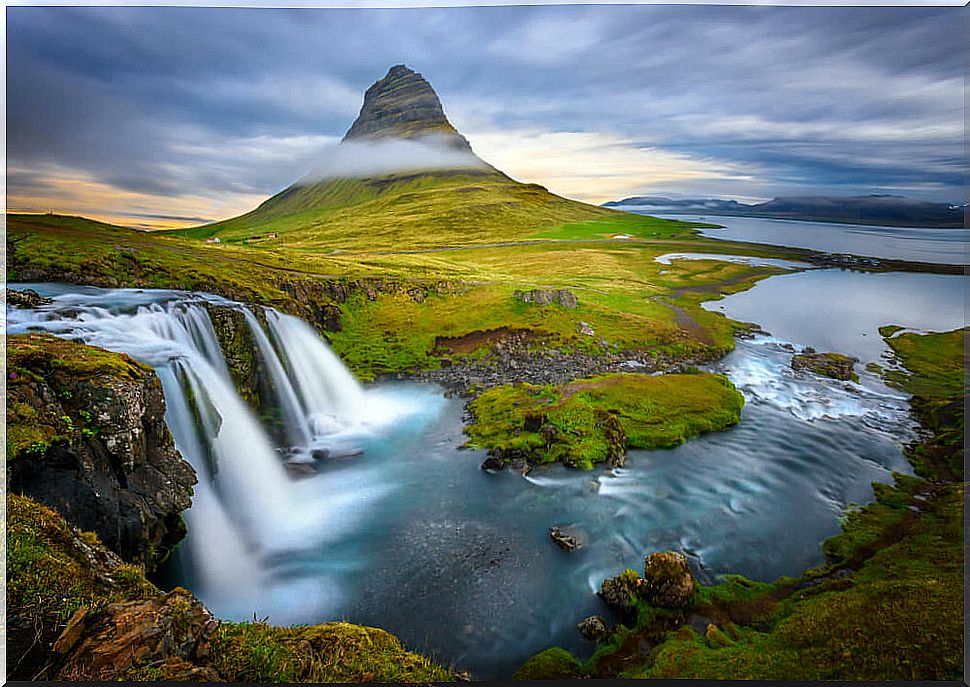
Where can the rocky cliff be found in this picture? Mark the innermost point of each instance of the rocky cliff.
(77, 612)
(86, 436)
(404, 105)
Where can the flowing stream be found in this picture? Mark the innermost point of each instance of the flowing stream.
(396, 526)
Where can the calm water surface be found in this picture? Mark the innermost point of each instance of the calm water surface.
(943, 246)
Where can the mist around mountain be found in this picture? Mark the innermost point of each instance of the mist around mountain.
(889, 210)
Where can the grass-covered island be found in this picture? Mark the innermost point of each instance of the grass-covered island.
(886, 605)
(596, 420)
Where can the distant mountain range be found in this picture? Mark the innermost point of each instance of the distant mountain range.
(872, 209)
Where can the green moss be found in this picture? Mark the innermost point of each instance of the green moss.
(551, 664)
(888, 330)
(332, 652)
(589, 421)
(934, 363)
(48, 575)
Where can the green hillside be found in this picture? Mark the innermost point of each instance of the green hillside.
(421, 210)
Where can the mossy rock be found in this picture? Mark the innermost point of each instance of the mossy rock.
(331, 652)
(552, 664)
(52, 571)
(833, 365)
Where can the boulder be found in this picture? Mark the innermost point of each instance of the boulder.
(566, 542)
(26, 298)
(621, 591)
(667, 580)
(108, 645)
(593, 627)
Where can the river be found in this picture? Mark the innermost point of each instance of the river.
(412, 536)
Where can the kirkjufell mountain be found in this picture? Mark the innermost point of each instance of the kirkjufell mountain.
(403, 105)
(402, 170)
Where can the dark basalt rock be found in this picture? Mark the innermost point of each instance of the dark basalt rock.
(593, 627)
(102, 455)
(26, 298)
(566, 542)
(403, 105)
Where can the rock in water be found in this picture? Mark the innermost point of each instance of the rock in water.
(566, 542)
(403, 105)
(667, 580)
(621, 591)
(27, 298)
(593, 627)
(834, 365)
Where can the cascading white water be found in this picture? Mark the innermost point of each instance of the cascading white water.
(329, 395)
(246, 509)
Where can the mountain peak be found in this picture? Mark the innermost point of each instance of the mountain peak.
(404, 105)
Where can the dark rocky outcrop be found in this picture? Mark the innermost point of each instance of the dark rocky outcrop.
(563, 297)
(26, 298)
(404, 105)
(239, 349)
(87, 437)
(834, 365)
(564, 540)
(593, 627)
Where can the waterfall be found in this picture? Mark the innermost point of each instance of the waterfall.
(330, 398)
(246, 509)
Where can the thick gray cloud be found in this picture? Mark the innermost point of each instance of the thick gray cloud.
(173, 102)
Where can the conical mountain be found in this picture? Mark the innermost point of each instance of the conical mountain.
(403, 176)
(403, 105)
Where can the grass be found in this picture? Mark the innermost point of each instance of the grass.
(934, 363)
(32, 424)
(393, 332)
(331, 652)
(404, 211)
(622, 224)
(595, 420)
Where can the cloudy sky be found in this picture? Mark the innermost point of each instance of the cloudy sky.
(171, 116)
